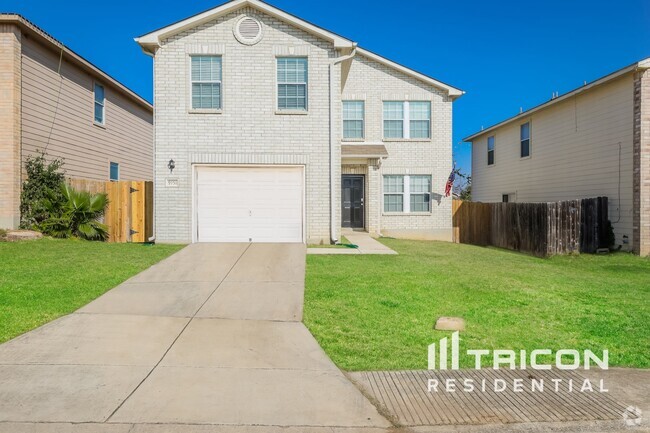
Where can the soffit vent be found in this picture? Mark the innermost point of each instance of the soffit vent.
(248, 30)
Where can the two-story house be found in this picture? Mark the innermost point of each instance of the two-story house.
(53, 100)
(589, 142)
(271, 129)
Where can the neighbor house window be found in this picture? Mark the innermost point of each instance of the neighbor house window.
(490, 150)
(419, 119)
(353, 116)
(525, 139)
(206, 82)
(114, 172)
(420, 193)
(408, 193)
(407, 119)
(100, 101)
(393, 193)
(292, 83)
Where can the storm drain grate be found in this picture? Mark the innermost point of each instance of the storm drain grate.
(405, 395)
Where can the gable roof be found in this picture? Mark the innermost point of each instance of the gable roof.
(45, 38)
(643, 64)
(153, 40)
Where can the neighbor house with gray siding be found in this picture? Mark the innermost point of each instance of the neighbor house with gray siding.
(52, 100)
(592, 141)
(272, 129)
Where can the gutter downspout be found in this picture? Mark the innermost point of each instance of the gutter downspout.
(333, 63)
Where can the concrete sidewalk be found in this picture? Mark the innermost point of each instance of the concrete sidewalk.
(211, 335)
(365, 243)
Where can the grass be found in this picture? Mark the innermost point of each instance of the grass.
(45, 279)
(377, 312)
(343, 243)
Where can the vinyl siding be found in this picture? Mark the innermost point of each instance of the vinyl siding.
(574, 154)
(68, 131)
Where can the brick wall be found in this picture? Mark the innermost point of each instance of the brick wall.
(374, 83)
(641, 173)
(248, 130)
(10, 49)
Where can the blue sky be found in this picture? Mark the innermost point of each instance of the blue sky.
(504, 54)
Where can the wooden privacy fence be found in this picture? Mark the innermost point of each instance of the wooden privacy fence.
(129, 214)
(541, 229)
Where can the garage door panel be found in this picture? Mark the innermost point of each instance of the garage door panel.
(238, 204)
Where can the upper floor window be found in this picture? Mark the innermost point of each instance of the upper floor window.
(525, 139)
(407, 119)
(292, 83)
(206, 82)
(100, 102)
(490, 150)
(114, 174)
(353, 117)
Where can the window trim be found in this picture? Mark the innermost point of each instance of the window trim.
(494, 143)
(406, 195)
(530, 139)
(101, 123)
(191, 108)
(298, 111)
(406, 121)
(363, 120)
(110, 167)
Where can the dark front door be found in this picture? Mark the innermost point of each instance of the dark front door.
(352, 201)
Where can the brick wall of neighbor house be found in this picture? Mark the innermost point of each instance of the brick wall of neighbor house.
(248, 131)
(574, 154)
(63, 122)
(373, 82)
(642, 163)
(10, 40)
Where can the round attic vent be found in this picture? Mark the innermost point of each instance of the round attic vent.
(248, 31)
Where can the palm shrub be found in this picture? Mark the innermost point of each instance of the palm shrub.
(76, 215)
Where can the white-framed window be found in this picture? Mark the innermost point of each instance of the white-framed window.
(419, 119)
(353, 118)
(292, 83)
(114, 171)
(407, 193)
(206, 82)
(490, 150)
(524, 130)
(407, 119)
(100, 103)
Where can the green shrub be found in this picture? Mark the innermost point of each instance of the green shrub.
(76, 215)
(43, 182)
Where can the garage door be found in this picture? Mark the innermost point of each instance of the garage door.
(249, 204)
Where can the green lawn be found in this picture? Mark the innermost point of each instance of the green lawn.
(42, 280)
(377, 312)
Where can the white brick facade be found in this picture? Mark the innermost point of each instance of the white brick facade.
(249, 130)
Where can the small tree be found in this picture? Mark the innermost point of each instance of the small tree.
(43, 181)
(463, 185)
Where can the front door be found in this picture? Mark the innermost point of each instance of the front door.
(352, 201)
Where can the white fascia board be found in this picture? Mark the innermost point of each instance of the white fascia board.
(154, 39)
(453, 91)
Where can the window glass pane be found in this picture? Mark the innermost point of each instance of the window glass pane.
(393, 203)
(393, 129)
(490, 143)
(490, 157)
(393, 110)
(394, 184)
(420, 184)
(353, 129)
(525, 148)
(353, 114)
(115, 171)
(206, 95)
(419, 128)
(99, 94)
(206, 68)
(420, 110)
(525, 131)
(420, 202)
(99, 113)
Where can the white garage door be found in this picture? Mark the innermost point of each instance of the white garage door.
(249, 204)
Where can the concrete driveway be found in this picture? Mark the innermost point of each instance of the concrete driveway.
(211, 335)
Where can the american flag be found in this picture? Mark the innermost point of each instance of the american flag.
(450, 182)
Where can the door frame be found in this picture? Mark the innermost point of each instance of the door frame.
(363, 192)
(195, 176)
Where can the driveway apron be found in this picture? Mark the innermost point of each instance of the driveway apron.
(211, 335)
